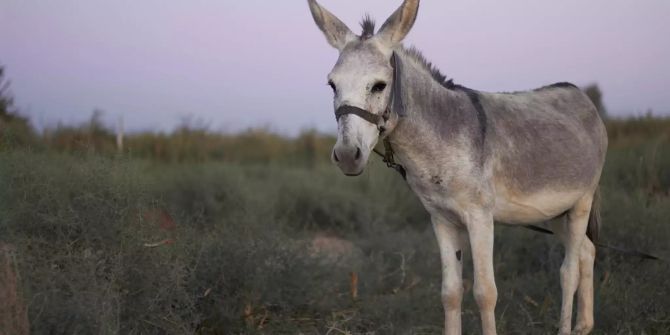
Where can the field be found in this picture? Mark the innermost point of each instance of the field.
(274, 240)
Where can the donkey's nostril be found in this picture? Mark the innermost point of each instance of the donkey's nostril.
(335, 156)
(358, 153)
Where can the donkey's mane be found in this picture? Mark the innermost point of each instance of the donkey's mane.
(449, 83)
(432, 69)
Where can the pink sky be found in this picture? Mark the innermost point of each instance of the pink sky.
(239, 64)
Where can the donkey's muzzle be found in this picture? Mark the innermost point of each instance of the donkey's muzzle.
(349, 159)
(348, 156)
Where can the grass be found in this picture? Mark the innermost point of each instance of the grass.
(122, 245)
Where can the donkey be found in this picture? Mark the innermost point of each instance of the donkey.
(471, 157)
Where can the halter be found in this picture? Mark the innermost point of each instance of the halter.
(380, 120)
(377, 120)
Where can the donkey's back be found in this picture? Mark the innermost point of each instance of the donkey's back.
(547, 148)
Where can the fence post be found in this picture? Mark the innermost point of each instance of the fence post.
(119, 135)
(354, 285)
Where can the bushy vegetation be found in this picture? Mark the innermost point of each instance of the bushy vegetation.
(122, 245)
(255, 233)
(191, 143)
(15, 130)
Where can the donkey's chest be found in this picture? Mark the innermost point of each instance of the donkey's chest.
(445, 195)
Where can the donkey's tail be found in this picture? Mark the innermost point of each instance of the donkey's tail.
(593, 228)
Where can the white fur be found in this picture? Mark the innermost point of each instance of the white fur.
(530, 208)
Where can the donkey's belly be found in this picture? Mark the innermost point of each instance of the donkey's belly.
(530, 208)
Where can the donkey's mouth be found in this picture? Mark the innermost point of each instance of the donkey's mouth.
(354, 174)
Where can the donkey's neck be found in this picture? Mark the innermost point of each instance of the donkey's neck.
(438, 120)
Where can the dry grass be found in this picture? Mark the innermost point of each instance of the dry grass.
(108, 244)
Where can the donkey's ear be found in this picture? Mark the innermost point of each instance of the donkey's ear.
(337, 33)
(399, 24)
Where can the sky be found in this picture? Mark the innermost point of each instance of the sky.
(231, 65)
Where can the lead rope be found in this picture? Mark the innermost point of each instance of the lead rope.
(387, 157)
(624, 251)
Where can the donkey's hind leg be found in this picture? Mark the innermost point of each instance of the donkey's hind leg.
(572, 233)
(585, 290)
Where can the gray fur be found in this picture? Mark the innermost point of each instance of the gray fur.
(434, 71)
(337, 33)
(397, 103)
(530, 141)
(540, 133)
(519, 158)
(473, 157)
(398, 25)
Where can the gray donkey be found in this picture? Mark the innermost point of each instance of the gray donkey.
(471, 157)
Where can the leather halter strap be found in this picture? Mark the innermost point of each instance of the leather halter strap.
(375, 119)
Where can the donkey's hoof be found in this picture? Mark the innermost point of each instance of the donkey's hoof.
(583, 329)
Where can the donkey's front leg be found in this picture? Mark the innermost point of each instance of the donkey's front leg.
(451, 240)
(480, 230)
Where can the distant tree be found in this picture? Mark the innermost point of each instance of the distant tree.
(14, 129)
(596, 95)
(6, 100)
(88, 137)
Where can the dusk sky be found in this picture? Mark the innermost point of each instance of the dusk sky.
(252, 63)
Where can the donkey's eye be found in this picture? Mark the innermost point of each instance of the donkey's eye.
(332, 85)
(379, 86)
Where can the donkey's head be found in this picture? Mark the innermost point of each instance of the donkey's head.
(363, 81)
